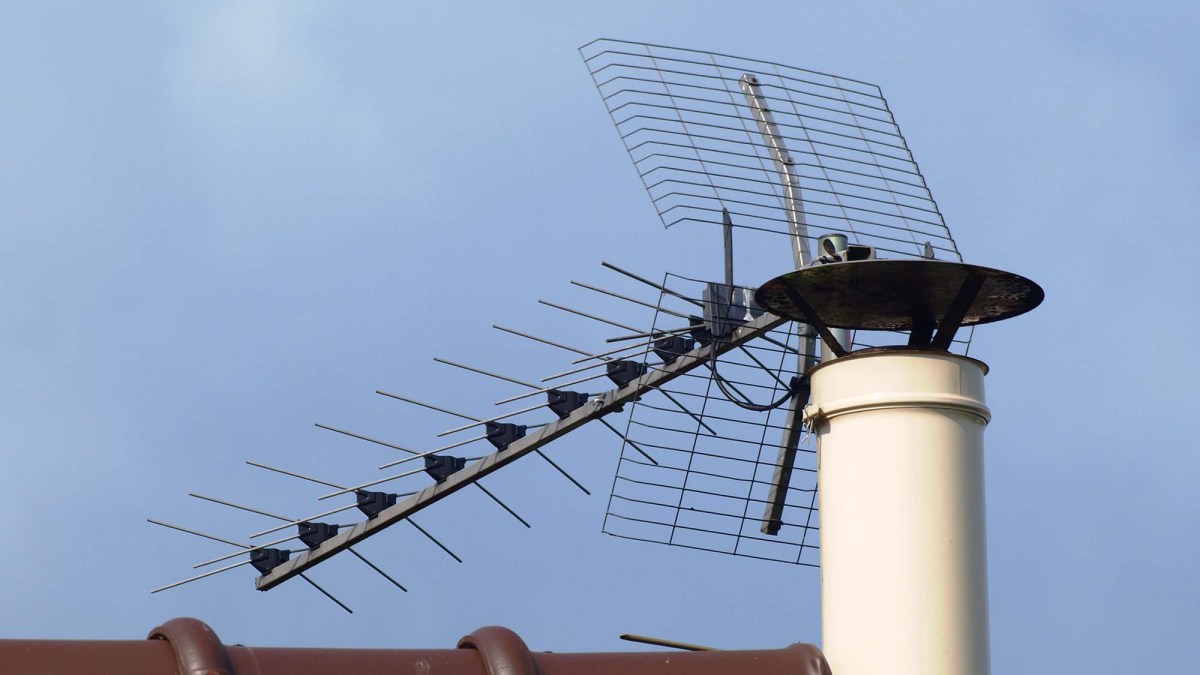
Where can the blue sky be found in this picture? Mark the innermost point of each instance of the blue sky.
(221, 223)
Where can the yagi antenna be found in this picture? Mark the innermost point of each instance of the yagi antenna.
(708, 385)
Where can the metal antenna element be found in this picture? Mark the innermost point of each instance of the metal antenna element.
(366, 438)
(604, 361)
(646, 281)
(493, 431)
(794, 210)
(251, 561)
(305, 523)
(670, 644)
(711, 379)
(368, 502)
(793, 203)
(596, 408)
(585, 315)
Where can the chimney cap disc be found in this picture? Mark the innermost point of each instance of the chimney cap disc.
(896, 294)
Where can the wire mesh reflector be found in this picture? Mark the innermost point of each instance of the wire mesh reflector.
(685, 119)
(699, 478)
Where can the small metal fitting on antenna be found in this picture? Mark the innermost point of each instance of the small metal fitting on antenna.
(672, 347)
(441, 467)
(314, 534)
(699, 331)
(502, 434)
(624, 371)
(373, 503)
(266, 559)
(563, 403)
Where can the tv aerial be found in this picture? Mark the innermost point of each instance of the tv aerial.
(708, 394)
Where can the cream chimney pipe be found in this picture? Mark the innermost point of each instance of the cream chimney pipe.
(903, 553)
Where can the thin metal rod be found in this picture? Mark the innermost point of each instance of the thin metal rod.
(248, 549)
(727, 232)
(236, 506)
(201, 576)
(633, 445)
(563, 472)
(588, 316)
(953, 319)
(433, 539)
(461, 443)
(792, 195)
(374, 482)
(682, 407)
(646, 281)
(376, 568)
(491, 419)
(612, 352)
(815, 321)
(650, 334)
(293, 474)
(505, 506)
(326, 593)
(290, 522)
(629, 299)
(430, 406)
(366, 438)
(659, 642)
(193, 532)
(783, 345)
(419, 456)
(573, 371)
(770, 372)
(475, 421)
(542, 390)
(538, 339)
(477, 370)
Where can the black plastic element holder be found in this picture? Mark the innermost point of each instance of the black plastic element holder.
(673, 346)
(623, 372)
(314, 534)
(502, 434)
(266, 559)
(563, 403)
(441, 467)
(699, 331)
(373, 503)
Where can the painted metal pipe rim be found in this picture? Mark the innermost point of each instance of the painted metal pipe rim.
(966, 404)
(899, 350)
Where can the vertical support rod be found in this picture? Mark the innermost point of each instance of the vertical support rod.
(793, 203)
(727, 231)
(793, 207)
